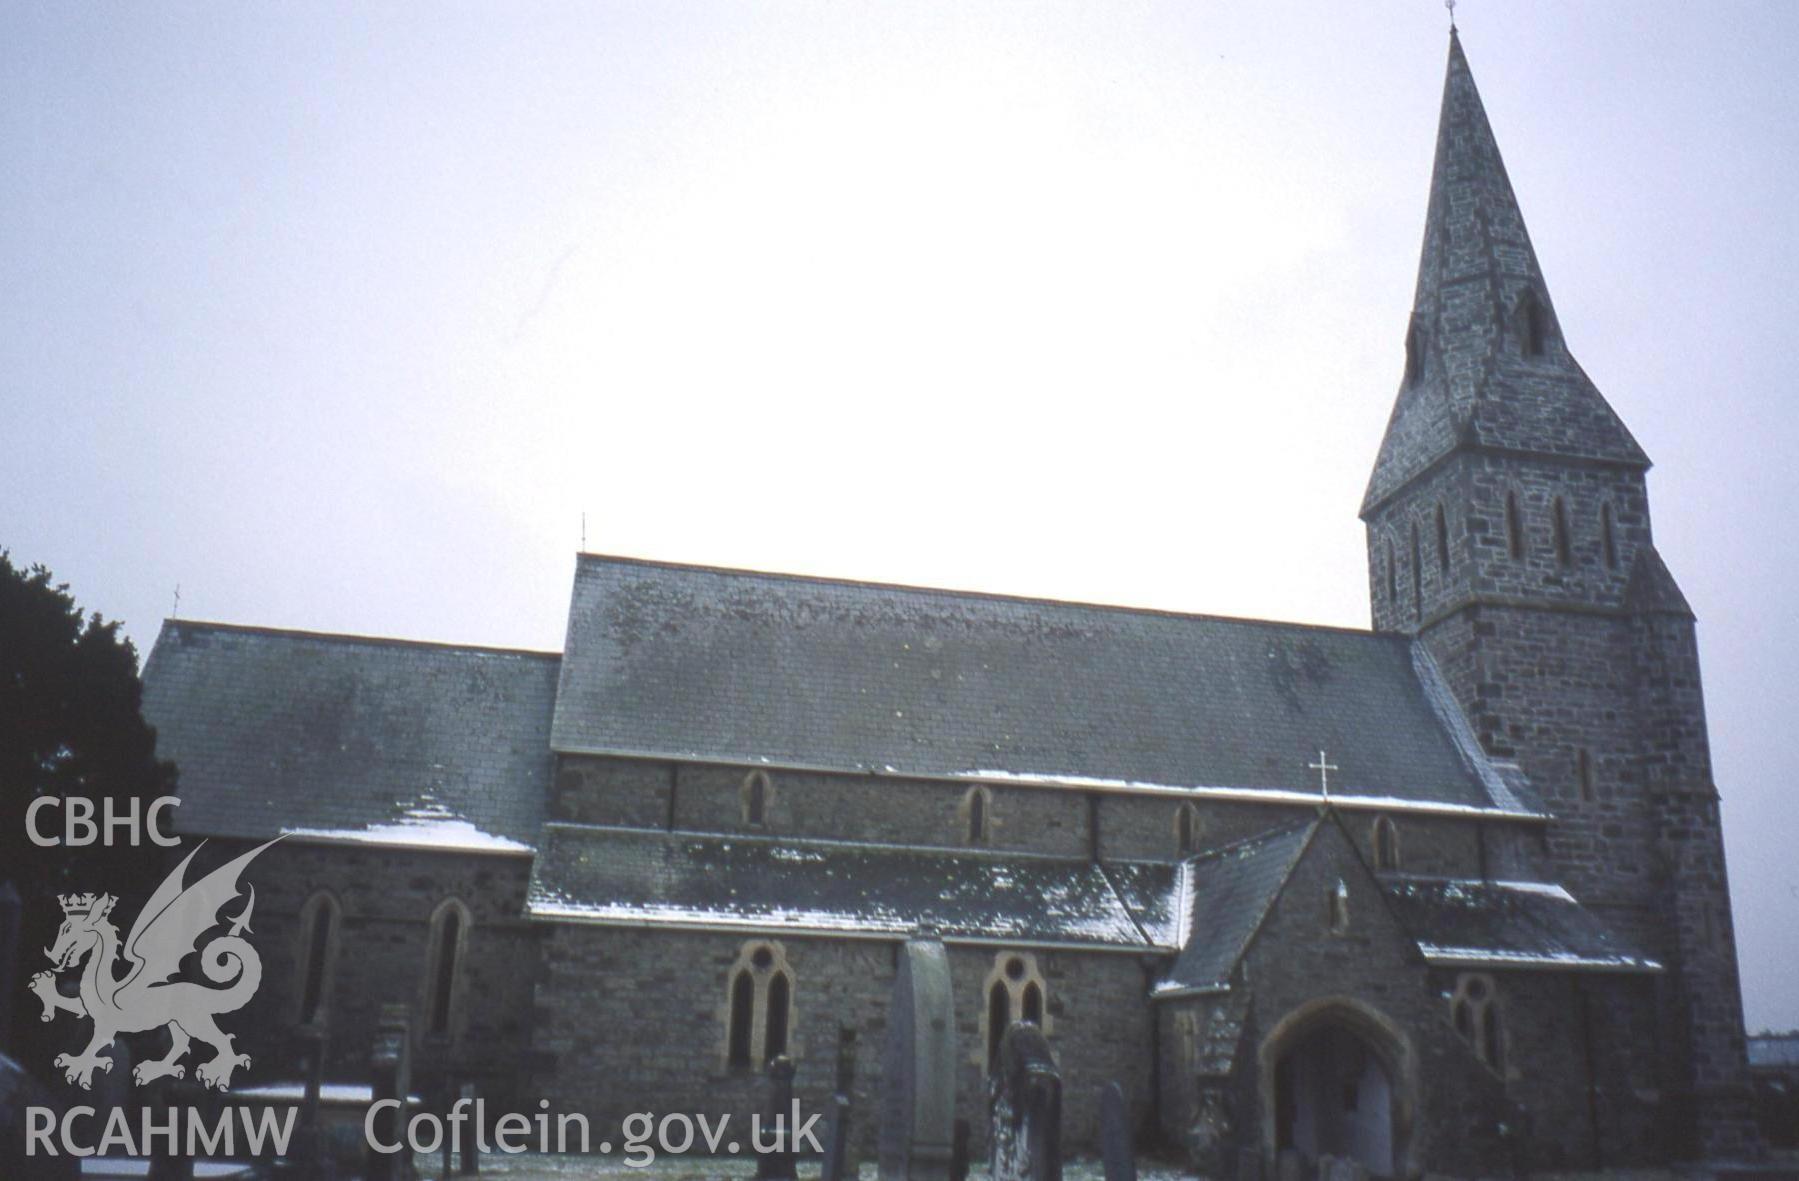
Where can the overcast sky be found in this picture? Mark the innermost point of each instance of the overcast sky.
(341, 317)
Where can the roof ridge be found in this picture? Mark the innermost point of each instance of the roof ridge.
(353, 638)
(773, 841)
(985, 596)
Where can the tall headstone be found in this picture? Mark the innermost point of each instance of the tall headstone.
(918, 1087)
(1115, 1147)
(9, 962)
(1025, 1112)
(837, 1165)
(776, 1163)
(390, 1077)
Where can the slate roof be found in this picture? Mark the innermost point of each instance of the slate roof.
(367, 739)
(639, 877)
(1226, 894)
(687, 662)
(1475, 387)
(1507, 925)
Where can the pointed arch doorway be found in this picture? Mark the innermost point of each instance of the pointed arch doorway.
(1338, 1080)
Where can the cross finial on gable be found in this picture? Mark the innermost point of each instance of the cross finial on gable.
(1324, 767)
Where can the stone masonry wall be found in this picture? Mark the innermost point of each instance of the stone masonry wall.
(636, 1020)
(387, 898)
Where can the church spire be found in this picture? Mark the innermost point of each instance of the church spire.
(1486, 366)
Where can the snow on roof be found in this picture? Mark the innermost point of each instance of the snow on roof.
(637, 877)
(1508, 924)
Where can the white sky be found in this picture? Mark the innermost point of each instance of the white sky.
(340, 317)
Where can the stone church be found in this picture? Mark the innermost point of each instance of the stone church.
(1446, 895)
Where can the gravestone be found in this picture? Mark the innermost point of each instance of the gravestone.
(1115, 1147)
(776, 1163)
(1209, 1136)
(1025, 1112)
(918, 1087)
(837, 1165)
(842, 1099)
(390, 1077)
(9, 962)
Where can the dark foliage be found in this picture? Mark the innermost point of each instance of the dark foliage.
(70, 725)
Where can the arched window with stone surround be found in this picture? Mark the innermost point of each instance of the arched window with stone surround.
(445, 951)
(1015, 991)
(320, 920)
(758, 1006)
(1386, 844)
(1558, 522)
(977, 815)
(756, 788)
(1186, 828)
(1474, 1011)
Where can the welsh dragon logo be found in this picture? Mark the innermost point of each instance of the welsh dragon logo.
(167, 930)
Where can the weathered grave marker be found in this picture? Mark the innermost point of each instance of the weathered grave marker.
(1025, 1134)
(918, 1087)
(776, 1162)
(390, 1077)
(1115, 1147)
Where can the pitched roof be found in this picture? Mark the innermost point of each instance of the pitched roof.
(1507, 925)
(1652, 589)
(639, 877)
(687, 662)
(350, 738)
(1227, 893)
(1474, 386)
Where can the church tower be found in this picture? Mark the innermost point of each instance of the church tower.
(1508, 528)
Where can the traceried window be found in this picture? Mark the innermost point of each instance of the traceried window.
(1186, 828)
(1015, 991)
(1386, 844)
(319, 922)
(443, 981)
(759, 1006)
(756, 789)
(1474, 1010)
(977, 816)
